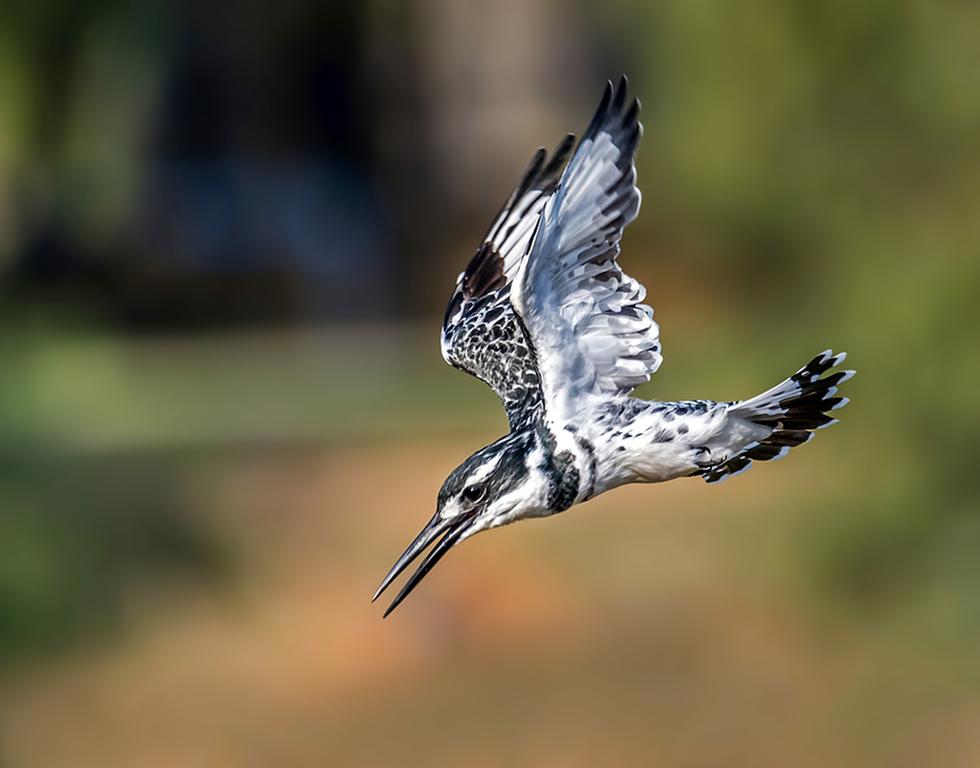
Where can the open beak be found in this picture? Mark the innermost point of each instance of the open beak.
(450, 530)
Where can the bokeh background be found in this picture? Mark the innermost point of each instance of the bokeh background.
(227, 235)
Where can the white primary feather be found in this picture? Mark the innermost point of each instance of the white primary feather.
(585, 316)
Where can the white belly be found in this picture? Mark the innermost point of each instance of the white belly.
(653, 447)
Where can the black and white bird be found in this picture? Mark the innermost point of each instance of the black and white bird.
(544, 314)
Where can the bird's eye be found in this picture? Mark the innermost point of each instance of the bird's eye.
(473, 493)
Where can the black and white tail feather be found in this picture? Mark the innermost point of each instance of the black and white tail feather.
(793, 409)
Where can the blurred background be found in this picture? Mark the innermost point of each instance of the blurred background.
(227, 236)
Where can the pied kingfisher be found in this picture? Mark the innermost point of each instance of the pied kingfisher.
(545, 316)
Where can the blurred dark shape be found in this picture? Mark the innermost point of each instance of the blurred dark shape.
(300, 162)
(255, 204)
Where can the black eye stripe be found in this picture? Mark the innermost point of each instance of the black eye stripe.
(498, 468)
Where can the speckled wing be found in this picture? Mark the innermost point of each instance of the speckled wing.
(482, 334)
(586, 318)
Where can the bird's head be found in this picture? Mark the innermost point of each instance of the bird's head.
(498, 484)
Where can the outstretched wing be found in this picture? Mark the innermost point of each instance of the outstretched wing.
(584, 315)
(481, 333)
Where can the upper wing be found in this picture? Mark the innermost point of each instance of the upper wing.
(585, 316)
(481, 333)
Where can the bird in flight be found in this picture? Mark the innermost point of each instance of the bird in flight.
(544, 314)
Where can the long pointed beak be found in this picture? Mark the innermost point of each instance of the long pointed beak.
(436, 527)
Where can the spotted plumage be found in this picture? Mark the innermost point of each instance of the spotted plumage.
(544, 314)
(481, 333)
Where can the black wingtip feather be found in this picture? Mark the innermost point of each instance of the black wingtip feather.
(619, 98)
(621, 124)
(559, 157)
(532, 172)
(600, 114)
(631, 114)
(542, 173)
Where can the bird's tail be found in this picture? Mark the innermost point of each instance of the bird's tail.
(793, 409)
